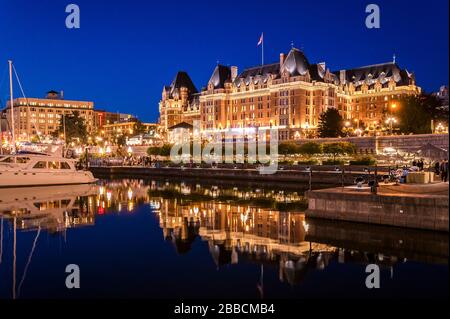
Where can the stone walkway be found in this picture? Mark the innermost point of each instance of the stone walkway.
(405, 190)
(422, 190)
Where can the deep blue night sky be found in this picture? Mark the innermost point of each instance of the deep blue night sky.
(125, 51)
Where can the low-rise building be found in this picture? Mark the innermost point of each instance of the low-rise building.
(127, 128)
(102, 117)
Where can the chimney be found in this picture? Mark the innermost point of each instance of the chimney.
(61, 95)
(342, 76)
(234, 73)
(282, 58)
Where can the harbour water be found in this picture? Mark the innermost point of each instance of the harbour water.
(202, 239)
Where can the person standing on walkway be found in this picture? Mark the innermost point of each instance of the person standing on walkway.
(444, 171)
(421, 165)
(437, 168)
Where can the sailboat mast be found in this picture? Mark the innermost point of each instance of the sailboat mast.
(13, 142)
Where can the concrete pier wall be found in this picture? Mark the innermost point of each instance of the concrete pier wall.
(285, 176)
(404, 210)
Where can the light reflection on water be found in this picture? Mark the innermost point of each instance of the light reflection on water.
(259, 232)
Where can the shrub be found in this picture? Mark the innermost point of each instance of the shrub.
(310, 148)
(287, 148)
(333, 162)
(286, 162)
(161, 151)
(363, 160)
(308, 162)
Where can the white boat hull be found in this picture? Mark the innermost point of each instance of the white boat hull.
(19, 179)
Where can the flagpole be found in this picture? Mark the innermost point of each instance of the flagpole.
(13, 144)
(263, 48)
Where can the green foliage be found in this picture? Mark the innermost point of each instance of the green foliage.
(308, 162)
(159, 151)
(415, 113)
(153, 151)
(333, 162)
(286, 162)
(287, 148)
(310, 149)
(75, 127)
(339, 148)
(331, 123)
(121, 140)
(139, 128)
(364, 160)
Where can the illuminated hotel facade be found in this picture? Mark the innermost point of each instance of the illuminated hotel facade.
(289, 95)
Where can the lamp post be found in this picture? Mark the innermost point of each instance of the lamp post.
(391, 120)
(307, 129)
(347, 127)
(439, 129)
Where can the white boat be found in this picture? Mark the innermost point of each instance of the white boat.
(37, 169)
(33, 169)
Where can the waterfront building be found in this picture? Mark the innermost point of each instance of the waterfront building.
(4, 128)
(290, 95)
(42, 117)
(127, 128)
(179, 103)
(442, 95)
(102, 117)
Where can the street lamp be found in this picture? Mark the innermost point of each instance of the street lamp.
(306, 126)
(439, 128)
(347, 126)
(391, 120)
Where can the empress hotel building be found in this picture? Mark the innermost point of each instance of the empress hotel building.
(289, 94)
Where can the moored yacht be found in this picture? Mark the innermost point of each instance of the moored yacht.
(33, 169)
(36, 169)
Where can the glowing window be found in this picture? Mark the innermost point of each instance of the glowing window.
(53, 165)
(40, 165)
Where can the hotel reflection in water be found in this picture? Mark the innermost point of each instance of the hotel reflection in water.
(235, 230)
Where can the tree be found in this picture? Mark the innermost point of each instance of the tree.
(75, 127)
(153, 151)
(165, 150)
(159, 151)
(310, 149)
(287, 148)
(415, 114)
(339, 148)
(139, 128)
(331, 123)
(122, 140)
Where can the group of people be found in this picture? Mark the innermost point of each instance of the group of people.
(419, 164)
(441, 169)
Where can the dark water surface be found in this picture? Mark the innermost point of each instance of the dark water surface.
(160, 239)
